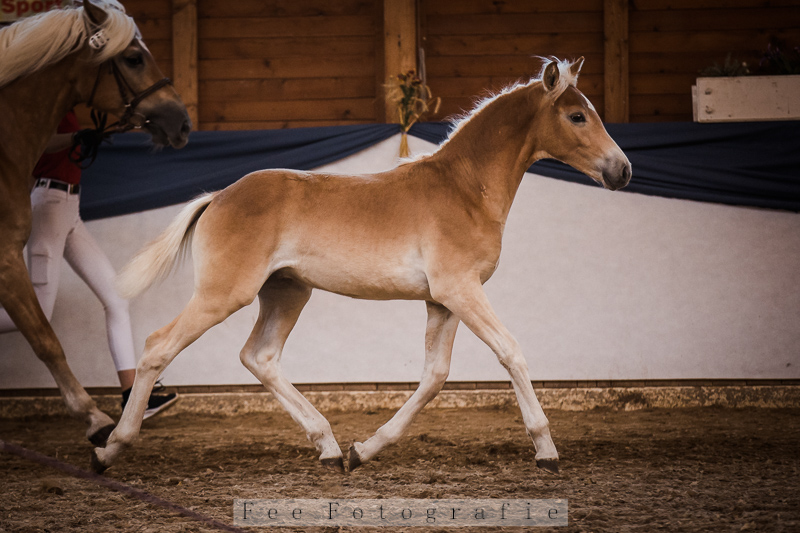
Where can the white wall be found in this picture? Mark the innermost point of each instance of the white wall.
(594, 285)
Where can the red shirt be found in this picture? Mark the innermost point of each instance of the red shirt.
(57, 165)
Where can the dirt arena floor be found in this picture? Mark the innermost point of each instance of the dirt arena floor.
(676, 470)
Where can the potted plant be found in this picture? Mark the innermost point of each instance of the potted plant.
(729, 93)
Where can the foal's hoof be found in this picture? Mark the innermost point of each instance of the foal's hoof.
(354, 460)
(97, 466)
(334, 463)
(550, 465)
(99, 437)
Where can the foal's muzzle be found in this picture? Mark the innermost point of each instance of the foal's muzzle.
(617, 174)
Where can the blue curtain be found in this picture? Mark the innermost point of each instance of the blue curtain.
(750, 164)
(128, 176)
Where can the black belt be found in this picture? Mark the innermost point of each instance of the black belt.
(60, 185)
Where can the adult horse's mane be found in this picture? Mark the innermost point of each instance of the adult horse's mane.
(565, 79)
(32, 44)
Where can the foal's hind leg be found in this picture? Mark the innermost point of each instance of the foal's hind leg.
(161, 347)
(281, 301)
(439, 338)
(19, 300)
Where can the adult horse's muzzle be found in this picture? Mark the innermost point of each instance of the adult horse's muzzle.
(168, 124)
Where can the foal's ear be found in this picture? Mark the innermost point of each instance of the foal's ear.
(575, 68)
(94, 13)
(550, 76)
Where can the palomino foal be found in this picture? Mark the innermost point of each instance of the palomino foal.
(427, 230)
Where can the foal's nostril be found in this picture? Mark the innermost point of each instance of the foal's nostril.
(186, 128)
(626, 174)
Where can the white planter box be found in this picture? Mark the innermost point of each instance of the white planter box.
(746, 98)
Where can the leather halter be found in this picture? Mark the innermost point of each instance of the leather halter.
(130, 98)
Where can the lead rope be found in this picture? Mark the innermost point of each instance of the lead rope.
(89, 140)
(74, 471)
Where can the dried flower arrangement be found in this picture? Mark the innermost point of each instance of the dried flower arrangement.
(412, 99)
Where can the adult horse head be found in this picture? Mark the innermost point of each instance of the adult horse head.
(94, 54)
(131, 86)
(50, 63)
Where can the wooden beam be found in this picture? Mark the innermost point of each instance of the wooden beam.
(379, 70)
(617, 77)
(399, 43)
(184, 55)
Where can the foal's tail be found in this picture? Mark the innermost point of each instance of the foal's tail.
(155, 261)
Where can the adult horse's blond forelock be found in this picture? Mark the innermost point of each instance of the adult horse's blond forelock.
(32, 44)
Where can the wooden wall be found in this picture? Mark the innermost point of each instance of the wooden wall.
(286, 63)
(154, 18)
(292, 63)
(273, 64)
(672, 40)
(473, 47)
(480, 45)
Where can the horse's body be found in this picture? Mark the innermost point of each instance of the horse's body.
(48, 67)
(429, 230)
(331, 248)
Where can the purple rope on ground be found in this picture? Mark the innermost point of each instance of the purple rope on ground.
(114, 485)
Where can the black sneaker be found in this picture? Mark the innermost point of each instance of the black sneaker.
(157, 402)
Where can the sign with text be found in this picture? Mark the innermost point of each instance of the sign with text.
(395, 512)
(11, 10)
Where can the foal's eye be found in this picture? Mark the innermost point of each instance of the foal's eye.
(577, 118)
(134, 60)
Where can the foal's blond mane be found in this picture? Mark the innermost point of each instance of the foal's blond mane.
(32, 44)
(565, 79)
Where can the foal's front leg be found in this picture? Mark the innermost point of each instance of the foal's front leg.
(439, 338)
(470, 304)
(161, 347)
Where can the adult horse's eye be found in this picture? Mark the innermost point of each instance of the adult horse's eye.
(577, 118)
(134, 61)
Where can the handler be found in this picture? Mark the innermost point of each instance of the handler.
(57, 231)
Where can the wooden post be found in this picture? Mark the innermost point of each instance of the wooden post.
(615, 15)
(399, 43)
(184, 55)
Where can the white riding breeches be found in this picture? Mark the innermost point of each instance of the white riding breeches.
(57, 231)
